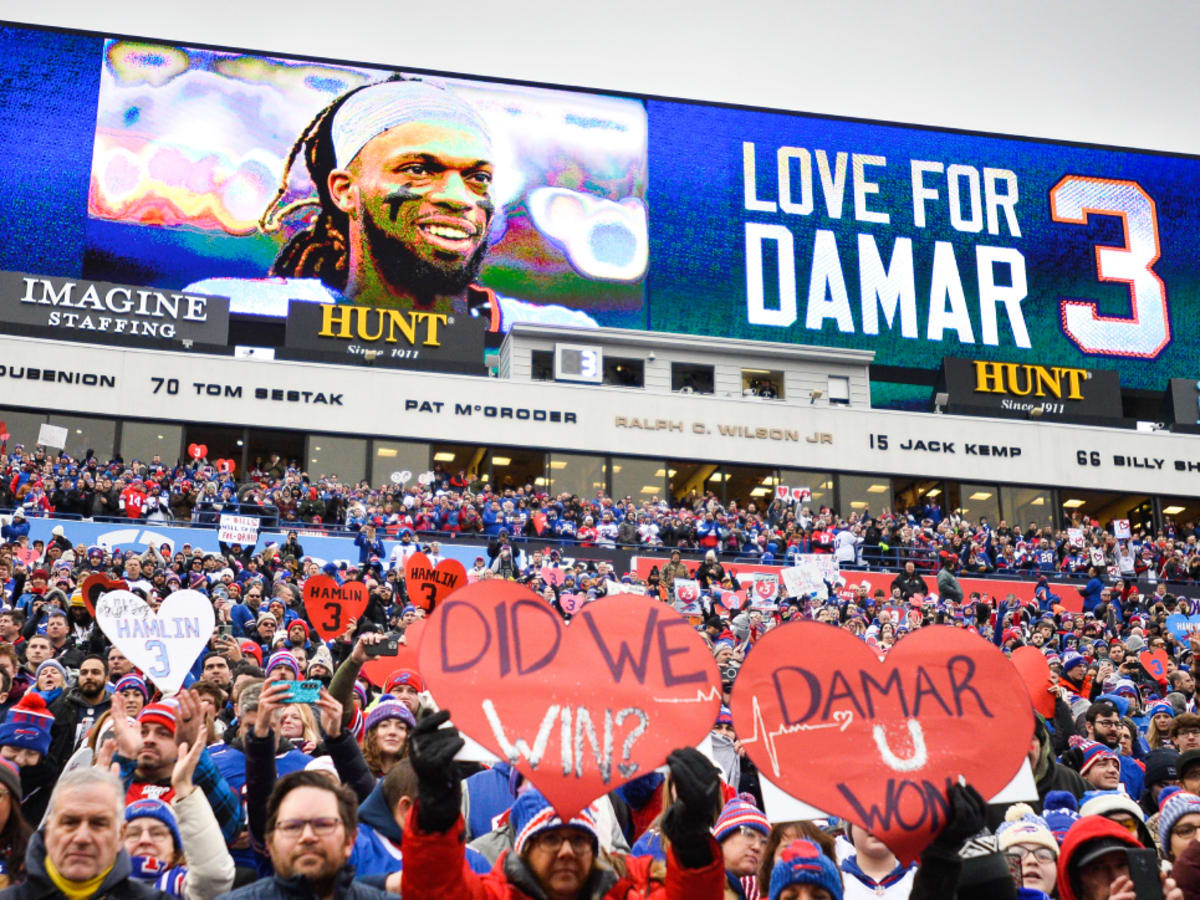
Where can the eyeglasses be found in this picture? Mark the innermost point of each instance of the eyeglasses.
(552, 841)
(155, 832)
(756, 838)
(1186, 831)
(322, 827)
(1041, 854)
(1187, 732)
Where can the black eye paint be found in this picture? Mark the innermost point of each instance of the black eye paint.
(396, 198)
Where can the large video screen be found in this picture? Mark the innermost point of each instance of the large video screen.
(271, 180)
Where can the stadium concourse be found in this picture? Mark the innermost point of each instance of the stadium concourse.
(1120, 742)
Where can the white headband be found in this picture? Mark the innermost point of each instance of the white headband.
(373, 110)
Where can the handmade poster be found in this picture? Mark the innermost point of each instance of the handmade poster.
(163, 644)
(96, 584)
(810, 574)
(1031, 663)
(331, 606)
(581, 709)
(878, 741)
(428, 584)
(1154, 662)
(238, 530)
(1182, 627)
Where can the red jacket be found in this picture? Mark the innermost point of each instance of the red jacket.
(435, 868)
(1086, 829)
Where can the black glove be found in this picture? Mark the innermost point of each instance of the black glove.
(439, 789)
(966, 818)
(688, 821)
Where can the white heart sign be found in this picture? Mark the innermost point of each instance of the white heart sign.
(163, 644)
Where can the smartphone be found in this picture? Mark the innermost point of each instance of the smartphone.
(225, 631)
(389, 646)
(303, 692)
(1143, 872)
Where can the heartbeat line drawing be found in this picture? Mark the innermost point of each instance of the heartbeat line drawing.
(841, 721)
(702, 696)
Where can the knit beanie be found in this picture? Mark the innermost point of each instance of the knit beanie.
(1023, 826)
(52, 664)
(163, 713)
(132, 682)
(155, 809)
(1072, 659)
(1161, 765)
(283, 658)
(1093, 752)
(802, 862)
(389, 707)
(1161, 707)
(404, 676)
(1178, 804)
(1103, 803)
(28, 725)
(725, 717)
(532, 814)
(739, 812)
(1060, 810)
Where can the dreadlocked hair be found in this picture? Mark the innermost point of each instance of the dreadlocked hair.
(321, 250)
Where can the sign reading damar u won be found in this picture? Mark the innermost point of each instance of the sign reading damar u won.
(399, 338)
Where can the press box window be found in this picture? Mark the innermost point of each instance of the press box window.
(623, 372)
(838, 387)
(541, 365)
(764, 383)
(688, 378)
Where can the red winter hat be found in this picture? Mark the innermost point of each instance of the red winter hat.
(251, 648)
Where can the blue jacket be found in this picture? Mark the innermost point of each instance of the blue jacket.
(298, 887)
(377, 827)
(489, 794)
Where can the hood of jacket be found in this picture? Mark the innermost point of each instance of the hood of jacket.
(375, 813)
(1086, 830)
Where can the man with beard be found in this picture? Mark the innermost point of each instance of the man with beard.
(1103, 724)
(403, 171)
(77, 710)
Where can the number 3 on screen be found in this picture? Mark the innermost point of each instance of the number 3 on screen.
(1147, 330)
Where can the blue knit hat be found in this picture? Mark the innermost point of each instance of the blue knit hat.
(532, 814)
(1071, 660)
(1093, 751)
(155, 809)
(1161, 707)
(1178, 804)
(28, 724)
(802, 862)
(132, 682)
(737, 813)
(725, 717)
(1060, 809)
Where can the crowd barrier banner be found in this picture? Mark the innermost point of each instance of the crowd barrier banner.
(988, 587)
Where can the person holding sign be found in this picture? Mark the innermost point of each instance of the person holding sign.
(552, 858)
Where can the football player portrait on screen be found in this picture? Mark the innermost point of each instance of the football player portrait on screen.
(403, 170)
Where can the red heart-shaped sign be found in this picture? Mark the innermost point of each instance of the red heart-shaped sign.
(96, 584)
(330, 606)
(1035, 672)
(766, 588)
(1155, 663)
(225, 466)
(197, 451)
(429, 585)
(879, 742)
(687, 591)
(578, 710)
(377, 669)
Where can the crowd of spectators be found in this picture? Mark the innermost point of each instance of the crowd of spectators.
(456, 505)
(204, 763)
